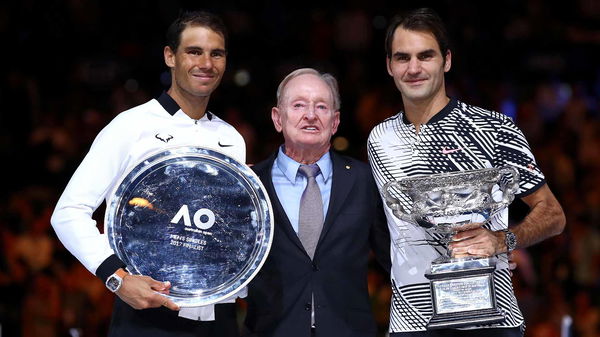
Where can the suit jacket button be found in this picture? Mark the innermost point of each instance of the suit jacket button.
(307, 307)
(315, 267)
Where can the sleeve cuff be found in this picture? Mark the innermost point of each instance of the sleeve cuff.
(109, 266)
(531, 190)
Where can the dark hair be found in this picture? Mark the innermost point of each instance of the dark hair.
(195, 18)
(420, 20)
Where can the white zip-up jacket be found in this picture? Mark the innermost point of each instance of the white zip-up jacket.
(127, 139)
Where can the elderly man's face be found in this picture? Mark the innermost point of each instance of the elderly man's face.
(306, 115)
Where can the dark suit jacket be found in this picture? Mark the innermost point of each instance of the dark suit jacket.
(279, 298)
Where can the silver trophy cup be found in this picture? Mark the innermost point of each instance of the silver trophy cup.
(462, 288)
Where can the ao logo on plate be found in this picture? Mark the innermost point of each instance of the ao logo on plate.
(185, 214)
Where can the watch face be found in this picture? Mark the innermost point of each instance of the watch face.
(113, 283)
(511, 241)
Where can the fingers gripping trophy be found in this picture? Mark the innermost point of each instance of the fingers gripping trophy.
(462, 286)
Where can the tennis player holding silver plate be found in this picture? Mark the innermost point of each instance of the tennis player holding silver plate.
(462, 287)
(195, 217)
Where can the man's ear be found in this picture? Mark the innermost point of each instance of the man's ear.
(336, 122)
(276, 117)
(448, 61)
(169, 57)
(387, 65)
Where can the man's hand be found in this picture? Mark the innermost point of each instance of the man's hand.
(545, 219)
(478, 242)
(143, 292)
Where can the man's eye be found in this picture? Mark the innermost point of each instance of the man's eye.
(425, 57)
(298, 105)
(195, 52)
(322, 107)
(217, 54)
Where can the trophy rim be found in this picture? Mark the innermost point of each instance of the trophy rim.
(436, 182)
(430, 180)
(265, 211)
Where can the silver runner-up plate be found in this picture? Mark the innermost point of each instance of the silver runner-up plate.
(195, 217)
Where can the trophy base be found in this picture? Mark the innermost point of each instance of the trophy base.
(463, 294)
(461, 320)
(446, 264)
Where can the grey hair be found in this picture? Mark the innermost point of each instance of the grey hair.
(326, 77)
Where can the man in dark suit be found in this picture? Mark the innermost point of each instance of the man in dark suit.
(314, 282)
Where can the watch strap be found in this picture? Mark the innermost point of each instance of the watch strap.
(121, 273)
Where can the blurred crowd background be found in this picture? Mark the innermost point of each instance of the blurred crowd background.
(70, 66)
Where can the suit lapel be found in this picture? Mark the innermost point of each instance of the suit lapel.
(282, 222)
(342, 183)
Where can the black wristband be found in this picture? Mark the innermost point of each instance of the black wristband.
(108, 267)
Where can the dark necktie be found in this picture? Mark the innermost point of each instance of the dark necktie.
(310, 220)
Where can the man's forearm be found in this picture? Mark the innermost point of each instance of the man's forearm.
(545, 219)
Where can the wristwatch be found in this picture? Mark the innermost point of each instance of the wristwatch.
(114, 281)
(510, 240)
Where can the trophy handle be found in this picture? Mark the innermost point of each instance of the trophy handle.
(393, 203)
(509, 184)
